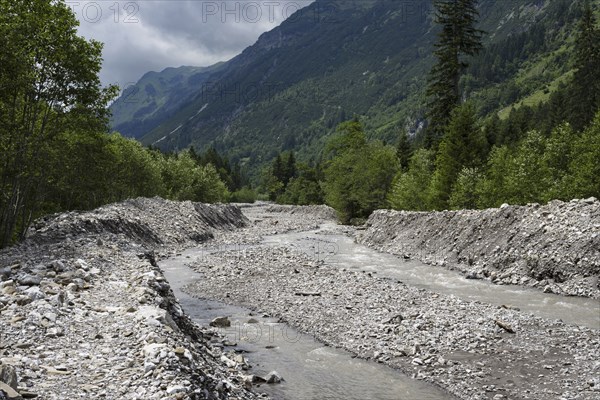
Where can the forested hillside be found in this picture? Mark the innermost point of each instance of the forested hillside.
(367, 59)
(465, 158)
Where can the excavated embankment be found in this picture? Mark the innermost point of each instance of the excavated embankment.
(86, 313)
(555, 247)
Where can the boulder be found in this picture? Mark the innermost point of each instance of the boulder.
(273, 377)
(8, 393)
(5, 273)
(221, 322)
(30, 280)
(8, 375)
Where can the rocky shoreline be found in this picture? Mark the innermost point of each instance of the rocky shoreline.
(86, 313)
(554, 247)
(471, 349)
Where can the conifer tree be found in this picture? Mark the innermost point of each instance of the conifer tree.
(290, 168)
(457, 40)
(463, 146)
(279, 169)
(586, 96)
(404, 150)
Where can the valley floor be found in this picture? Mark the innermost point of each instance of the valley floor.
(472, 349)
(85, 311)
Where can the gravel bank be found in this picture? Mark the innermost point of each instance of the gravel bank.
(555, 247)
(471, 349)
(85, 312)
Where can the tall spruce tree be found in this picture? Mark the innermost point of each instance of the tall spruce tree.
(279, 169)
(586, 97)
(463, 146)
(457, 40)
(290, 168)
(404, 150)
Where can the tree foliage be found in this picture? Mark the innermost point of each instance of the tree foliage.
(464, 192)
(48, 83)
(359, 174)
(463, 146)
(586, 82)
(457, 40)
(56, 151)
(410, 188)
(583, 176)
(404, 150)
(229, 172)
(562, 166)
(185, 179)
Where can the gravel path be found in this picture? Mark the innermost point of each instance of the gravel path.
(473, 350)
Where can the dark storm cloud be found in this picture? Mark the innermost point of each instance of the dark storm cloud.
(141, 36)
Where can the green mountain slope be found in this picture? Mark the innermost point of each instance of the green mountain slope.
(156, 97)
(335, 59)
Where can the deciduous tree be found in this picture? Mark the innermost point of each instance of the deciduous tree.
(48, 82)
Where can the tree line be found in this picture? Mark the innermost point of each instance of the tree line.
(57, 153)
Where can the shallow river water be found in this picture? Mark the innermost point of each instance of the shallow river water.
(316, 372)
(343, 251)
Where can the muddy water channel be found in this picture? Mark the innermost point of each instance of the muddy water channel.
(340, 250)
(311, 371)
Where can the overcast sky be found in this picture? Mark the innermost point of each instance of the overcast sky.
(150, 35)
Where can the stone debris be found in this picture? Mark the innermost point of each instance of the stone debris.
(273, 377)
(453, 343)
(86, 313)
(554, 247)
(505, 326)
(9, 393)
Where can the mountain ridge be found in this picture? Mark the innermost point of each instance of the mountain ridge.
(298, 81)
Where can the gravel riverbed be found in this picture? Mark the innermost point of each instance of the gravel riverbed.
(471, 349)
(85, 311)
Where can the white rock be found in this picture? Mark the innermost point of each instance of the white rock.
(151, 350)
(171, 390)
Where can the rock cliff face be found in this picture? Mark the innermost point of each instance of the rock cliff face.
(86, 313)
(555, 247)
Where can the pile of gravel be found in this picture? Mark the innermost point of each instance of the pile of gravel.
(555, 247)
(86, 313)
(150, 221)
